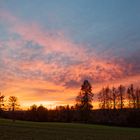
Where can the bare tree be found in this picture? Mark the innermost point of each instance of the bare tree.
(129, 97)
(13, 102)
(137, 98)
(133, 96)
(121, 93)
(105, 99)
(114, 97)
(108, 98)
(102, 99)
(1, 101)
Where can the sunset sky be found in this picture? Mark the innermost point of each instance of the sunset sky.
(48, 47)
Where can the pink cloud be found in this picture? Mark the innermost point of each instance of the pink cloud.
(90, 63)
(18, 74)
(56, 42)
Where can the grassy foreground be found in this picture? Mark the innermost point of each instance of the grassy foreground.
(21, 130)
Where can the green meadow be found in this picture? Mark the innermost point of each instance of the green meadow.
(22, 130)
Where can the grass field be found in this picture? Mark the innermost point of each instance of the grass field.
(21, 130)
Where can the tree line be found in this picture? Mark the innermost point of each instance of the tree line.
(119, 98)
(117, 106)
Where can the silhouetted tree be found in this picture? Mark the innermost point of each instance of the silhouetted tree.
(13, 102)
(102, 99)
(42, 113)
(108, 98)
(138, 98)
(85, 97)
(1, 101)
(133, 96)
(114, 97)
(33, 112)
(105, 98)
(33, 107)
(121, 93)
(84, 100)
(129, 97)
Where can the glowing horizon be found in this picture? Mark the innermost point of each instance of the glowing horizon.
(47, 51)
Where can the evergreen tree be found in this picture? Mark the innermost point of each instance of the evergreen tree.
(84, 101)
(85, 97)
